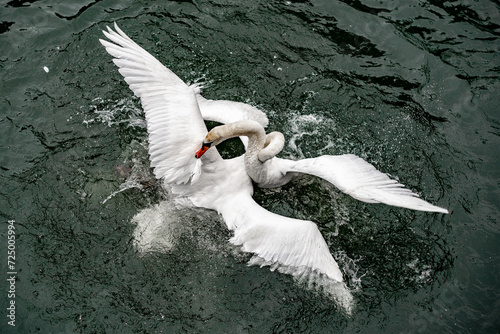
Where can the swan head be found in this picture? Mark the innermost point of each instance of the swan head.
(216, 136)
(204, 147)
(212, 138)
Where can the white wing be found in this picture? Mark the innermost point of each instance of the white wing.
(225, 112)
(359, 179)
(175, 126)
(290, 245)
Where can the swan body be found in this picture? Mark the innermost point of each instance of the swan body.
(175, 114)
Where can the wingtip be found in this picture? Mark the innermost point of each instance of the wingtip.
(108, 34)
(109, 31)
(118, 30)
(433, 208)
(443, 210)
(427, 207)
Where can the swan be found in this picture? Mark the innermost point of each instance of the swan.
(183, 154)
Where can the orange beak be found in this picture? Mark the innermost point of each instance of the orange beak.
(202, 150)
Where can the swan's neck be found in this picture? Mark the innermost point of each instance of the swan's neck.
(260, 148)
(251, 129)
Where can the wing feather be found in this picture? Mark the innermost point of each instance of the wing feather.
(224, 111)
(289, 245)
(175, 125)
(361, 180)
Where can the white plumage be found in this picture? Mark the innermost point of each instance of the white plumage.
(174, 114)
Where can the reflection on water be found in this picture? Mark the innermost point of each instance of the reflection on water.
(409, 86)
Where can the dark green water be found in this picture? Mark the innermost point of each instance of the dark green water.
(411, 86)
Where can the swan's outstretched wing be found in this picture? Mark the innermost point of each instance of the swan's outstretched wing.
(291, 245)
(225, 111)
(359, 179)
(175, 126)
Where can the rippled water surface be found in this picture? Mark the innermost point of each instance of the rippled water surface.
(410, 86)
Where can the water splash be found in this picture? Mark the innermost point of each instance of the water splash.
(157, 228)
(134, 167)
(351, 269)
(309, 126)
(110, 112)
(423, 272)
(129, 184)
(160, 227)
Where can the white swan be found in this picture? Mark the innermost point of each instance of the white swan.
(180, 154)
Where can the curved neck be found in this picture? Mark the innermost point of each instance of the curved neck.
(261, 147)
(251, 129)
(274, 144)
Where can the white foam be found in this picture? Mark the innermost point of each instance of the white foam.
(336, 291)
(310, 125)
(423, 272)
(135, 167)
(111, 112)
(129, 184)
(350, 268)
(157, 228)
